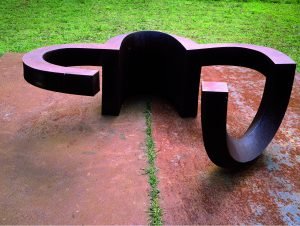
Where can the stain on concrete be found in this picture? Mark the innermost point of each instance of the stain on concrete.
(62, 162)
(195, 191)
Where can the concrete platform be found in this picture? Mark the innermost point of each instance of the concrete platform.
(62, 162)
(195, 191)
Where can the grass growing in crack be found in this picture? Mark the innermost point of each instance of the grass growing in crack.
(155, 211)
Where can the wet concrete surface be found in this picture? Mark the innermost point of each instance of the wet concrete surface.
(62, 162)
(195, 191)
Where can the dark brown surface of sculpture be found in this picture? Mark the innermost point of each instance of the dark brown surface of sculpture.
(157, 63)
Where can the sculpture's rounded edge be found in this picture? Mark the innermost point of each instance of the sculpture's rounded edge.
(274, 56)
(36, 61)
(47, 67)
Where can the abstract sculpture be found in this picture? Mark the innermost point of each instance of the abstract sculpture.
(170, 66)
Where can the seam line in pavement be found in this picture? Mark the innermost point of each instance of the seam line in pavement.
(155, 212)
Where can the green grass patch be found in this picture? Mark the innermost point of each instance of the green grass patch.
(155, 212)
(29, 24)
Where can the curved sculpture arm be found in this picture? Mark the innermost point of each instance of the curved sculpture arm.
(259, 58)
(225, 150)
(237, 50)
(47, 67)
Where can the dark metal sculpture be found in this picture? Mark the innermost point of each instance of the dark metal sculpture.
(170, 66)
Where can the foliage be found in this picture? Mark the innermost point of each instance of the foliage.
(28, 24)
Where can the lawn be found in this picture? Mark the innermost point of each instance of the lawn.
(29, 24)
(26, 24)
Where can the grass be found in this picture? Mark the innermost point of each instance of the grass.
(29, 24)
(155, 212)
